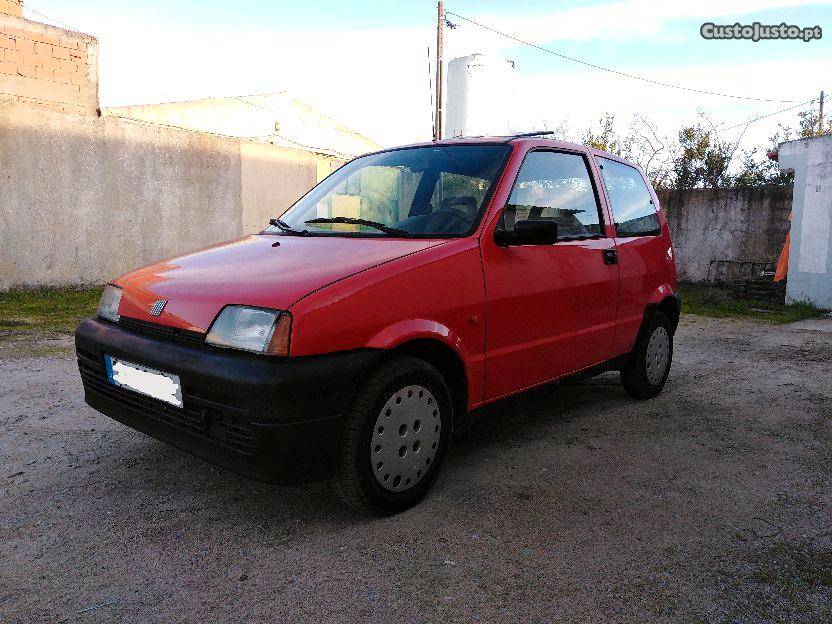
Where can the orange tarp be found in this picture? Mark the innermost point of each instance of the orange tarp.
(783, 263)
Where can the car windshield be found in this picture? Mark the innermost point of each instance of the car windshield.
(436, 191)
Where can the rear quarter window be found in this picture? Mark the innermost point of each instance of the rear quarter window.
(632, 205)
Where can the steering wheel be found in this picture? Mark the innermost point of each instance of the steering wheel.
(455, 215)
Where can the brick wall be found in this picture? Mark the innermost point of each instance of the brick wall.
(47, 66)
(12, 7)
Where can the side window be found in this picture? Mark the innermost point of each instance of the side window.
(555, 186)
(632, 207)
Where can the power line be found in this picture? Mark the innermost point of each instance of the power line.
(783, 110)
(26, 7)
(615, 71)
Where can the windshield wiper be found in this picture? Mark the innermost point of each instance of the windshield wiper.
(285, 227)
(373, 224)
(580, 237)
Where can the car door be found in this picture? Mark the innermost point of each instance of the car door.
(645, 253)
(550, 309)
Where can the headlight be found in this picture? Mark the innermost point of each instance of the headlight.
(252, 329)
(108, 306)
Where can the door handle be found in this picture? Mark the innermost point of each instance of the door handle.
(610, 256)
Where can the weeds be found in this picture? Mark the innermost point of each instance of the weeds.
(708, 300)
(46, 309)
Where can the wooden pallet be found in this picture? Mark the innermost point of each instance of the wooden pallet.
(762, 288)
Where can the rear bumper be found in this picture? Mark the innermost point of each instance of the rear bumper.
(275, 420)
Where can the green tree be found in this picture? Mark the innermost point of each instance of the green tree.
(607, 139)
(704, 159)
(811, 125)
(698, 157)
(758, 170)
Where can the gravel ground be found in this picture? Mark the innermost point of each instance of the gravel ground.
(574, 503)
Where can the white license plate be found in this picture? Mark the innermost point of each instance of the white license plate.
(147, 381)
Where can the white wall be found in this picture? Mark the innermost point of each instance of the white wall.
(810, 260)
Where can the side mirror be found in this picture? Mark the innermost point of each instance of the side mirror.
(528, 232)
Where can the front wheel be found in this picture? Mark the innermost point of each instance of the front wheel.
(395, 437)
(646, 372)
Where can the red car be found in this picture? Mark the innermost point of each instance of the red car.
(409, 287)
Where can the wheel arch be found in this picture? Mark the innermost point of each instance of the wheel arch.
(447, 361)
(668, 305)
(438, 345)
(671, 308)
(665, 299)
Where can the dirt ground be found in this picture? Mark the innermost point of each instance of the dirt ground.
(575, 503)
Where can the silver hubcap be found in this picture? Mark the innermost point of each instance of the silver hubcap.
(658, 352)
(405, 439)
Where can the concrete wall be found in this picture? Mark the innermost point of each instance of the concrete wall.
(726, 224)
(273, 178)
(83, 199)
(810, 263)
(47, 66)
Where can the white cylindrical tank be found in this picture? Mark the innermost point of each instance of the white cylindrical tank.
(480, 96)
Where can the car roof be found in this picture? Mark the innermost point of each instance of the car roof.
(526, 142)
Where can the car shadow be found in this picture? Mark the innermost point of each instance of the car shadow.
(153, 471)
(519, 418)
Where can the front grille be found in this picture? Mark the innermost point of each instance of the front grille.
(196, 420)
(174, 334)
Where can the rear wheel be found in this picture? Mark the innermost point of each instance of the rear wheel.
(395, 437)
(647, 370)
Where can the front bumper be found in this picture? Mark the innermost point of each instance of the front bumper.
(275, 420)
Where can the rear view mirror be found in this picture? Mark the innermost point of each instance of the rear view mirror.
(529, 232)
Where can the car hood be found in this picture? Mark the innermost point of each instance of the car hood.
(262, 270)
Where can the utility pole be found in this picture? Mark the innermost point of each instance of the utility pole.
(440, 27)
(820, 114)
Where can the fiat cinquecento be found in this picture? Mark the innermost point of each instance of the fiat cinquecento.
(412, 285)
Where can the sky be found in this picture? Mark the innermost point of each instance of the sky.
(365, 63)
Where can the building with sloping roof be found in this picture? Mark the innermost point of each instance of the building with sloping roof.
(275, 118)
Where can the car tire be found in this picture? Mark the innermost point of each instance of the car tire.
(395, 437)
(646, 372)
